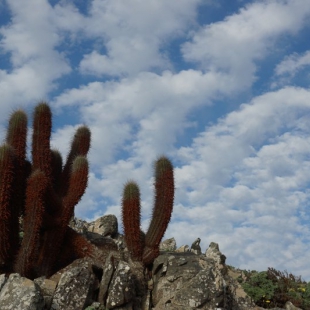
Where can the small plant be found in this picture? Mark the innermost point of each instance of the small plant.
(260, 288)
(273, 288)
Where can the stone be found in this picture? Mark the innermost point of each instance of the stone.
(289, 306)
(19, 293)
(183, 248)
(75, 288)
(168, 245)
(106, 226)
(48, 288)
(78, 225)
(121, 289)
(213, 252)
(195, 248)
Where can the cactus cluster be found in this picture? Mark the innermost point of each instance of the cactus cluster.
(145, 247)
(43, 192)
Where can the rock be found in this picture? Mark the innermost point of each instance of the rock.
(213, 252)
(179, 280)
(78, 225)
(121, 290)
(195, 248)
(189, 281)
(19, 293)
(75, 287)
(106, 226)
(290, 306)
(48, 288)
(183, 248)
(96, 306)
(2, 281)
(182, 282)
(168, 245)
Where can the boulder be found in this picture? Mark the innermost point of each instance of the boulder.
(19, 293)
(168, 245)
(75, 287)
(106, 226)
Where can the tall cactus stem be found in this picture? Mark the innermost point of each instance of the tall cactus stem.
(79, 146)
(17, 138)
(131, 219)
(7, 172)
(35, 199)
(77, 186)
(42, 126)
(56, 161)
(163, 204)
(17, 134)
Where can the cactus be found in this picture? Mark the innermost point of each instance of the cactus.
(44, 192)
(45, 198)
(162, 209)
(7, 222)
(36, 189)
(131, 219)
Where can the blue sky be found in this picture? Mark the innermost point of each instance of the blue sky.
(221, 87)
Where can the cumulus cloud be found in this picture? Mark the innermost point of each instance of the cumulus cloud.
(30, 40)
(235, 44)
(293, 63)
(249, 174)
(134, 35)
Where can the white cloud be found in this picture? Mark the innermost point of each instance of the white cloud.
(134, 34)
(293, 63)
(30, 40)
(236, 43)
(246, 177)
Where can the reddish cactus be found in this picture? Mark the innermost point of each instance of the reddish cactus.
(17, 134)
(163, 204)
(164, 196)
(77, 184)
(37, 185)
(51, 193)
(42, 126)
(131, 219)
(79, 146)
(7, 173)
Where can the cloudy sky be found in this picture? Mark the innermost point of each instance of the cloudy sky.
(221, 87)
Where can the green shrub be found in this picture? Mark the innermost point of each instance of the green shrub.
(260, 288)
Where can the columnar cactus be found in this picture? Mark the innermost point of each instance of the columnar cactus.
(131, 220)
(136, 242)
(8, 243)
(43, 192)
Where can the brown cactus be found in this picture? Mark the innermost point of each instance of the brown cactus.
(79, 146)
(131, 219)
(77, 184)
(37, 185)
(41, 152)
(47, 198)
(164, 196)
(163, 204)
(7, 173)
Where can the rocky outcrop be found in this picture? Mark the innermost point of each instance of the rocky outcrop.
(181, 279)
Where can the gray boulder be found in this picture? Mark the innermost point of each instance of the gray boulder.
(19, 293)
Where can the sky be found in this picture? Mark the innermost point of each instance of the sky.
(220, 87)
